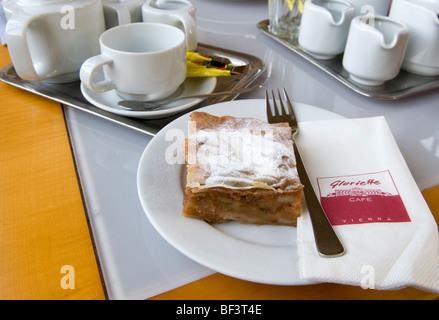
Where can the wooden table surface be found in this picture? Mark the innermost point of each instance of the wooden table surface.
(45, 243)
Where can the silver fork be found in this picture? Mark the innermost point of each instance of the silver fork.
(328, 244)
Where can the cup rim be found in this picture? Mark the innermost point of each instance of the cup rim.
(108, 32)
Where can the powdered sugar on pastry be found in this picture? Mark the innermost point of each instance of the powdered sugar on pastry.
(241, 153)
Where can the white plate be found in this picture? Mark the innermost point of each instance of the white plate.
(108, 100)
(264, 254)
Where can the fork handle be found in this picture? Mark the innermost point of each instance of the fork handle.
(328, 244)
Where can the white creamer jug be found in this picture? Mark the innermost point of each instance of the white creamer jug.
(325, 26)
(374, 51)
(421, 16)
(178, 13)
(50, 39)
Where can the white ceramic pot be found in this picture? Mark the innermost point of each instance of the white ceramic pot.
(178, 13)
(50, 39)
(374, 53)
(421, 16)
(325, 26)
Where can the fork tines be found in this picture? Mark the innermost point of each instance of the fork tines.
(284, 112)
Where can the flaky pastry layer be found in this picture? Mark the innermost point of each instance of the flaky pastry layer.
(241, 169)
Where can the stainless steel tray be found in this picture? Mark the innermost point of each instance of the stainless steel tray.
(404, 85)
(70, 93)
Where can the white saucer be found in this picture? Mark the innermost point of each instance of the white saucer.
(191, 86)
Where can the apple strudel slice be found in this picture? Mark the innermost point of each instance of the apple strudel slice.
(241, 169)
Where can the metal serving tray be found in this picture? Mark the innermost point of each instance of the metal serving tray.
(70, 93)
(404, 85)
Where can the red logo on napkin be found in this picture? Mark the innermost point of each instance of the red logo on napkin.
(364, 198)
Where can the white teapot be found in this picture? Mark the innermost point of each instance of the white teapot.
(422, 18)
(50, 39)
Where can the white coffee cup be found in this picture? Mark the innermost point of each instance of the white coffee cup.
(421, 17)
(49, 40)
(179, 13)
(375, 50)
(119, 12)
(141, 61)
(325, 26)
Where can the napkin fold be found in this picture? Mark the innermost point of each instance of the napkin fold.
(389, 233)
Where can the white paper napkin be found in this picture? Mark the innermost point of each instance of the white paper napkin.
(389, 233)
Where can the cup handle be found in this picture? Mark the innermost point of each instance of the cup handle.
(190, 30)
(123, 15)
(16, 38)
(89, 68)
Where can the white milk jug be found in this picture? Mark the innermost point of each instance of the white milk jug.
(421, 16)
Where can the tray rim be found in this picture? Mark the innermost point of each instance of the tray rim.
(151, 127)
(362, 90)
